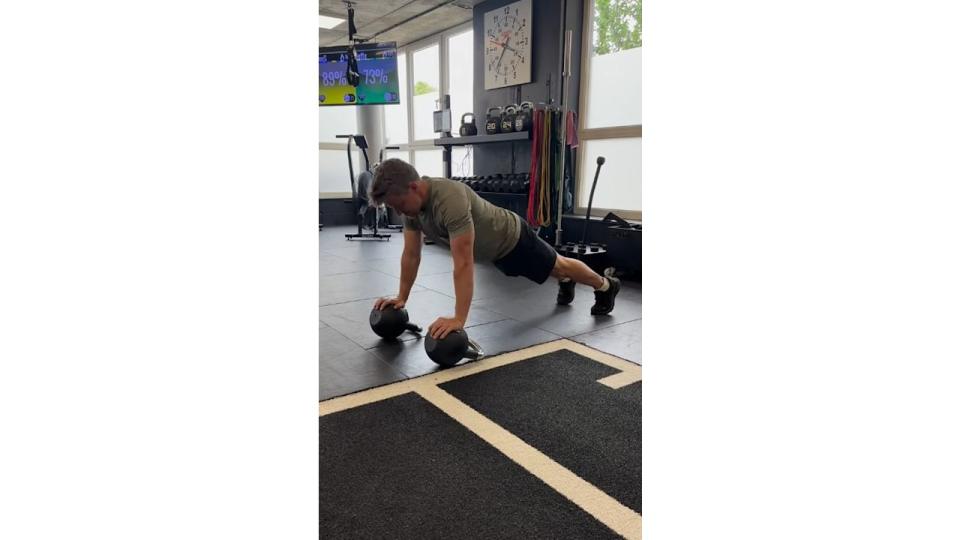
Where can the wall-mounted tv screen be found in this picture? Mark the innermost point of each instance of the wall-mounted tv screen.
(379, 80)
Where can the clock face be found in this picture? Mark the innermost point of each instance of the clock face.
(507, 45)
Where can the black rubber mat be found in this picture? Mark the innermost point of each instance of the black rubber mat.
(401, 468)
(554, 404)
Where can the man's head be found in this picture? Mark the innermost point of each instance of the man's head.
(396, 184)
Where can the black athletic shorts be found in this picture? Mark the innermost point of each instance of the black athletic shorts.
(532, 258)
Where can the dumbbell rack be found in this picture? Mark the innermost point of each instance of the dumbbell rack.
(516, 184)
(449, 142)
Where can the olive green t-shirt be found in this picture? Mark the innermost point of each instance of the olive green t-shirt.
(452, 209)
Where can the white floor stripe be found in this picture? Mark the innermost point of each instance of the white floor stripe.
(595, 502)
(620, 380)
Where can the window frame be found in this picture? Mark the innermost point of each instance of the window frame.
(594, 134)
(442, 39)
(411, 49)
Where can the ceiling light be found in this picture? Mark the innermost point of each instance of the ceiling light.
(329, 22)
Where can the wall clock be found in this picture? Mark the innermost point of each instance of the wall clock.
(507, 45)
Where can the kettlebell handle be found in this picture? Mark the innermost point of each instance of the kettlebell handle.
(413, 328)
(491, 109)
(474, 351)
(463, 119)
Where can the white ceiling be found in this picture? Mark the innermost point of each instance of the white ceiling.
(373, 16)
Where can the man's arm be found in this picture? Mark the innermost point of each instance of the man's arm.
(461, 247)
(409, 264)
(409, 261)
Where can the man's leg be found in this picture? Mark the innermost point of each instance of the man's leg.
(570, 271)
(567, 268)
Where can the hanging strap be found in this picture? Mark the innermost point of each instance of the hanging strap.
(534, 166)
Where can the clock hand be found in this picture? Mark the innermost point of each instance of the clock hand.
(504, 51)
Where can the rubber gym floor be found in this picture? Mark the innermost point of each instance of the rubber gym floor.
(508, 313)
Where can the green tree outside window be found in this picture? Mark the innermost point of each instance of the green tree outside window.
(422, 88)
(617, 25)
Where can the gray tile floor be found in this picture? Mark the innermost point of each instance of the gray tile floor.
(507, 313)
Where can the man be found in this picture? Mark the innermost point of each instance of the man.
(452, 214)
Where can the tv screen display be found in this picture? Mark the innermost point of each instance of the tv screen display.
(379, 80)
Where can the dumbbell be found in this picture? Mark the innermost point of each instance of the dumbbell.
(496, 185)
(515, 183)
(485, 182)
(456, 346)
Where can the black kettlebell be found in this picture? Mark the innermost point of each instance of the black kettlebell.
(468, 129)
(524, 118)
(453, 348)
(493, 120)
(390, 322)
(507, 117)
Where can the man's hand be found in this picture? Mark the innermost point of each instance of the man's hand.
(443, 326)
(382, 303)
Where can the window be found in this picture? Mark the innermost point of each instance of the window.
(399, 154)
(334, 180)
(395, 116)
(610, 120)
(426, 90)
(612, 195)
(337, 120)
(335, 171)
(460, 47)
(428, 162)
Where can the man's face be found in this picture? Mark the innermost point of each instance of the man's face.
(407, 204)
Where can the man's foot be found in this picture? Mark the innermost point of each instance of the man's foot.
(605, 299)
(567, 290)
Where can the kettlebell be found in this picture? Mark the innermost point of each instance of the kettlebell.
(390, 322)
(456, 346)
(467, 128)
(506, 118)
(524, 118)
(493, 120)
